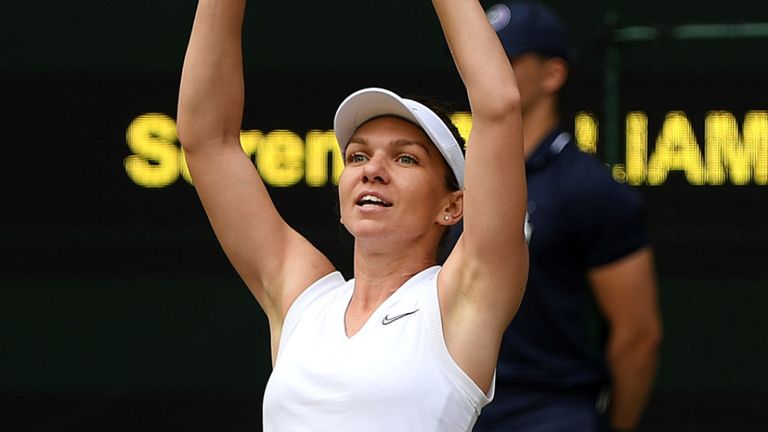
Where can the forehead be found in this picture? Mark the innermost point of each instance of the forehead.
(527, 59)
(392, 130)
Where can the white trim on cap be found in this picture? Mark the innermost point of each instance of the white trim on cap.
(368, 103)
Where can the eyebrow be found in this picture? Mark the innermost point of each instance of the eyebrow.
(399, 143)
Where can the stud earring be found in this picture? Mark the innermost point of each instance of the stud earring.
(446, 218)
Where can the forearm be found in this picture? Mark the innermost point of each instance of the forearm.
(479, 57)
(211, 91)
(633, 370)
(625, 291)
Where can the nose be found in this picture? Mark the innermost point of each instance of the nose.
(375, 171)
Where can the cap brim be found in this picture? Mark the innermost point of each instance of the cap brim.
(363, 105)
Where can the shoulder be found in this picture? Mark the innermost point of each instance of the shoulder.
(604, 218)
(587, 183)
(317, 292)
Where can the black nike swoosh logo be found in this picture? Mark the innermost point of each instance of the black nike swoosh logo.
(387, 320)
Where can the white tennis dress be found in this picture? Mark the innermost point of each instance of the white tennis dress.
(395, 374)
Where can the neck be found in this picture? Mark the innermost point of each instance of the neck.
(378, 274)
(538, 122)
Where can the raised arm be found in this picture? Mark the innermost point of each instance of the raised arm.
(275, 262)
(485, 275)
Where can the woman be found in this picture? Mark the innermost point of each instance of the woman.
(405, 345)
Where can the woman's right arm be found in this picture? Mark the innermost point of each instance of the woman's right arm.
(274, 261)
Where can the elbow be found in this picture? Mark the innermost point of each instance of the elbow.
(185, 132)
(500, 105)
(512, 99)
(188, 136)
(649, 340)
(186, 140)
(642, 344)
(193, 126)
(648, 346)
(651, 337)
(654, 340)
(507, 99)
(194, 136)
(186, 114)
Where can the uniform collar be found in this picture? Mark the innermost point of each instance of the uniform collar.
(548, 149)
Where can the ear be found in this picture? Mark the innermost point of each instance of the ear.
(556, 73)
(453, 210)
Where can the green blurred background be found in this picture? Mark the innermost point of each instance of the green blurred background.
(118, 311)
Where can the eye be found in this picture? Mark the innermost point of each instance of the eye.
(407, 159)
(355, 158)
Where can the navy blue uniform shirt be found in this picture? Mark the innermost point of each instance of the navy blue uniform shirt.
(578, 218)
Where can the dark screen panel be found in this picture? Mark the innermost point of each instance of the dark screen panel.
(124, 312)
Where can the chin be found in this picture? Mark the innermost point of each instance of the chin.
(367, 228)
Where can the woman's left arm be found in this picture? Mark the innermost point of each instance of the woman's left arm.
(483, 280)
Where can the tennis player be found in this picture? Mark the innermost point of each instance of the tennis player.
(406, 344)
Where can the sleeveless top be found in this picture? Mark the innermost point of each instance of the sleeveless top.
(394, 374)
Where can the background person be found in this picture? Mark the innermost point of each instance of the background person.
(588, 245)
(360, 355)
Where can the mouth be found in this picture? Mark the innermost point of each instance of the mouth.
(372, 200)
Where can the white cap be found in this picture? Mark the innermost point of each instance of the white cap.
(365, 104)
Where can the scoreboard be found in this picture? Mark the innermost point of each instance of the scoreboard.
(99, 158)
(730, 154)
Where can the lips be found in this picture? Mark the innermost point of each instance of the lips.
(372, 199)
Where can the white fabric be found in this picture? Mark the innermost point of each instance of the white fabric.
(389, 377)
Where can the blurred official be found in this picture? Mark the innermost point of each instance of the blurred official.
(559, 368)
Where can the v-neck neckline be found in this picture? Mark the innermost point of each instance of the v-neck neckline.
(389, 300)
